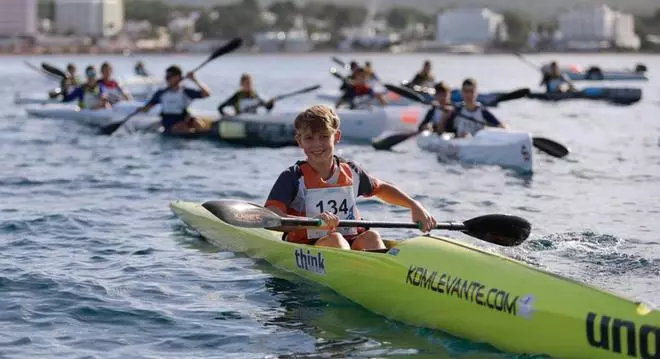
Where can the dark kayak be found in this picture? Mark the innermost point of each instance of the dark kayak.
(620, 96)
(244, 133)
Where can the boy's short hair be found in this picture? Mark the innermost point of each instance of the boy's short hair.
(174, 70)
(469, 82)
(317, 118)
(245, 76)
(442, 87)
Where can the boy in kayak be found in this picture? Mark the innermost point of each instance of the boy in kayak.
(245, 99)
(441, 105)
(554, 80)
(67, 84)
(88, 94)
(470, 116)
(326, 187)
(358, 87)
(424, 77)
(174, 101)
(110, 89)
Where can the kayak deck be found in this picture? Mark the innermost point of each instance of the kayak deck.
(440, 283)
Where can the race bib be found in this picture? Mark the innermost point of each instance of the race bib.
(248, 104)
(339, 201)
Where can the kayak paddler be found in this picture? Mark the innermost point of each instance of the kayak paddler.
(479, 115)
(441, 104)
(174, 101)
(371, 74)
(354, 66)
(554, 80)
(245, 99)
(68, 83)
(424, 77)
(140, 70)
(88, 94)
(326, 186)
(358, 87)
(110, 89)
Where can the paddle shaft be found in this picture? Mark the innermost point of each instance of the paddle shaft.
(450, 226)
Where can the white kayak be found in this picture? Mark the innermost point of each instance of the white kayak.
(98, 117)
(490, 146)
(356, 125)
(392, 98)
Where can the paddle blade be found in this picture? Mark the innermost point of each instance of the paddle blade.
(407, 93)
(243, 214)
(111, 128)
(550, 147)
(227, 48)
(53, 70)
(388, 139)
(513, 95)
(500, 229)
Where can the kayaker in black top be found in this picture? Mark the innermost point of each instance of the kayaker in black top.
(470, 116)
(245, 99)
(354, 67)
(553, 80)
(356, 88)
(67, 84)
(441, 104)
(424, 77)
(140, 70)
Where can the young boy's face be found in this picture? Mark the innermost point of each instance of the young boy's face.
(318, 146)
(469, 93)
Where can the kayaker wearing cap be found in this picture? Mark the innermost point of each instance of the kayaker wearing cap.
(245, 99)
(358, 87)
(140, 70)
(110, 89)
(424, 77)
(88, 94)
(441, 105)
(554, 79)
(174, 101)
(455, 121)
(326, 186)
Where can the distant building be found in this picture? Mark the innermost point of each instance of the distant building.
(470, 26)
(599, 25)
(100, 18)
(18, 17)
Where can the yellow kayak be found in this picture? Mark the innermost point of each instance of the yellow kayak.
(444, 284)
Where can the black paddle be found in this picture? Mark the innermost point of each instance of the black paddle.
(500, 229)
(53, 70)
(286, 95)
(341, 63)
(229, 47)
(385, 142)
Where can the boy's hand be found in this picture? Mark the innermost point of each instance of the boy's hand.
(330, 221)
(422, 217)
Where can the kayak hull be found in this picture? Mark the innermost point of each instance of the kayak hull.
(508, 149)
(100, 117)
(620, 96)
(142, 94)
(607, 75)
(444, 284)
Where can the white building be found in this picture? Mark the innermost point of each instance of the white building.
(469, 26)
(599, 24)
(18, 17)
(89, 17)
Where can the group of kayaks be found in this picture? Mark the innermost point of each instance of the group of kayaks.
(510, 149)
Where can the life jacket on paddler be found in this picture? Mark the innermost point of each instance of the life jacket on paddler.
(314, 196)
